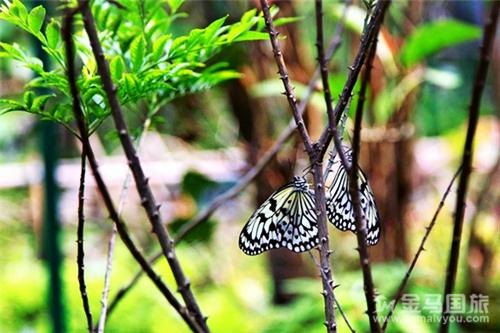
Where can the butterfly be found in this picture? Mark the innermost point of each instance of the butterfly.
(286, 219)
(339, 207)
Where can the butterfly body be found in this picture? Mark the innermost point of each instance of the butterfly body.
(286, 220)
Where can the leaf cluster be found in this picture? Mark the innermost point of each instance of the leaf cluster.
(148, 62)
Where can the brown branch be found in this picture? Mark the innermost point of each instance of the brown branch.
(289, 91)
(148, 200)
(80, 246)
(244, 181)
(364, 258)
(428, 229)
(67, 33)
(323, 66)
(479, 82)
(370, 33)
(341, 311)
(316, 160)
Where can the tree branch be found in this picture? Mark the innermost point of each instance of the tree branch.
(341, 311)
(80, 246)
(371, 31)
(148, 200)
(316, 159)
(420, 249)
(323, 66)
(289, 91)
(67, 32)
(360, 221)
(112, 239)
(479, 82)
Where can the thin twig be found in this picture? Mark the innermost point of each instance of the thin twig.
(341, 311)
(479, 82)
(148, 200)
(80, 245)
(316, 160)
(244, 181)
(428, 229)
(67, 33)
(112, 238)
(371, 31)
(323, 66)
(364, 258)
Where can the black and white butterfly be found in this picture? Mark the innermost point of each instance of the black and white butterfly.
(339, 205)
(287, 219)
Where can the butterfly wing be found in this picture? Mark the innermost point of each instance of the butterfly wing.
(340, 209)
(370, 210)
(339, 204)
(286, 219)
(301, 228)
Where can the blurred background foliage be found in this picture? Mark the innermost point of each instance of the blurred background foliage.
(199, 85)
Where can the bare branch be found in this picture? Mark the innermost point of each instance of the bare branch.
(316, 160)
(479, 81)
(371, 31)
(360, 221)
(148, 200)
(112, 238)
(80, 246)
(326, 84)
(420, 249)
(67, 33)
(289, 91)
(341, 311)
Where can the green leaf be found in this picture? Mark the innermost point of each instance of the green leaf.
(117, 67)
(40, 101)
(13, 51)
(287, 20)
(19, 10)
(137, 51)
(159, 47)
(433, 37)
(35, 19)
(252, 35)
(213, 28)
(175, 4)
(52, 32)
(28, 98)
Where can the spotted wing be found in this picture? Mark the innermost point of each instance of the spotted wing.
(340, 209)
(286, 219)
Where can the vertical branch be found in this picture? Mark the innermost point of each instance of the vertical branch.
(148, 200)
(80, 243)
(112, 239)
(371, 31)
(316, 158)
(323, 67)
(477, 91)
(360, 221)
(289, 92)
(67, 36)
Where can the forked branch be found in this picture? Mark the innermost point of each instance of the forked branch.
(147, 198)
(67, 33)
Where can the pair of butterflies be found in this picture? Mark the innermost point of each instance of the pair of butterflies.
(288, 218)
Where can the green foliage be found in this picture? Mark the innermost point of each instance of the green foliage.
(433, 37)
(149, 64)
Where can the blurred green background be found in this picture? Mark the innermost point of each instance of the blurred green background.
(208, 125)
